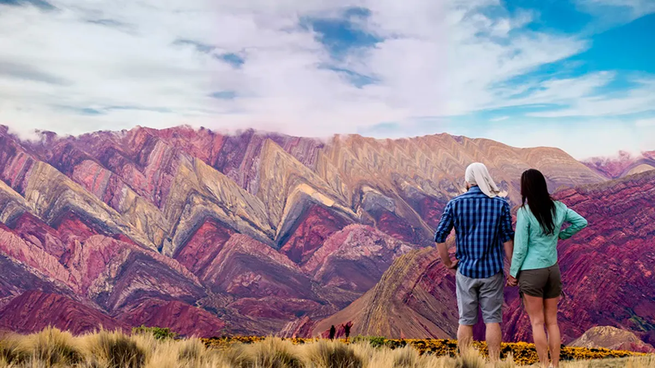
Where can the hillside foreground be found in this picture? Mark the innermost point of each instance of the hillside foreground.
(54, 348)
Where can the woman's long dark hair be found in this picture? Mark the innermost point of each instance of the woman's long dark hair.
(534, 190)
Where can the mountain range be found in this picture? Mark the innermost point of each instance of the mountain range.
(261, 233)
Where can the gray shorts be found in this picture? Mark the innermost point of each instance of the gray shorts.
(485, 293)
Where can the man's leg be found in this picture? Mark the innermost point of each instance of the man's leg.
(467, 304)
(491, 303)
(464, 337)
(494, 338)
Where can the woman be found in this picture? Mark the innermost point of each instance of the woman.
(534, 262)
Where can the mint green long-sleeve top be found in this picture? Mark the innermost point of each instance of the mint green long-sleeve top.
(534, 249)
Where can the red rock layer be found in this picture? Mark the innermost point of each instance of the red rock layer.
(35, 310)
(179, 317)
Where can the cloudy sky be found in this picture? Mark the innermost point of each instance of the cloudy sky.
(579, 75)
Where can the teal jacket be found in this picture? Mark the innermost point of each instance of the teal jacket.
(533, 249)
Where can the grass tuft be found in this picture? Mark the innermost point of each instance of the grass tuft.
(10, 350)
(270, 353)
(115, 350)
(406, 357)
(330, 354)
(470, 358)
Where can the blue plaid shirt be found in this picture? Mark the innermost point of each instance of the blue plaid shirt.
(482, 225)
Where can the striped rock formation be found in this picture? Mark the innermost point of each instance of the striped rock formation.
(211, 234)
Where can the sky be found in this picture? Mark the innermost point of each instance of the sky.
(578, 75)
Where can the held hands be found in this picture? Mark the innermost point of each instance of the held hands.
(512, 281)
(452, 265)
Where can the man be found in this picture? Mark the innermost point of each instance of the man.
(483, 225)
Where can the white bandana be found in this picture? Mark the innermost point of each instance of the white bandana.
(477, 174)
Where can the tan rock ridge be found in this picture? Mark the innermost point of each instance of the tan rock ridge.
(612, 338)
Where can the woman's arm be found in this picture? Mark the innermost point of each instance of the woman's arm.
(520, 242)
(577, 223)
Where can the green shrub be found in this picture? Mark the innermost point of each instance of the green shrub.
(374, 341)
(158, 332)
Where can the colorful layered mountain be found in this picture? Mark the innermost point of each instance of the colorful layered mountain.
(608, 272)
(612, 338)
(622, 165)
(211, 234)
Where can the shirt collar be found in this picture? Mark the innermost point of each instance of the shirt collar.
(475, 189)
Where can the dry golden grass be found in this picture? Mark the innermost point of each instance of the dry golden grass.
(52, 348)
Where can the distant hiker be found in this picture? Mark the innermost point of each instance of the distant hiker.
(346, 329)
(483, 225)
(333, 332)
(538, 227)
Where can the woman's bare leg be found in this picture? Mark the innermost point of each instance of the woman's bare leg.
(554, 339)
(535, 308)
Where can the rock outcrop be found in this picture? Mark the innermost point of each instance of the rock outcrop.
(612, 338)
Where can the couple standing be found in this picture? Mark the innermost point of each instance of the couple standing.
(483, 227)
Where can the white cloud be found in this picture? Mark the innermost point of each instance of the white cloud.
(639, 99)
(642, 123)
(500, 118)
(123, 53)
(582, 140)
(628, 9)
(112, 65)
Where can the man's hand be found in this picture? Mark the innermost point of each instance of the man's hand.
(453, 265)
(512, 281)
(445, 257)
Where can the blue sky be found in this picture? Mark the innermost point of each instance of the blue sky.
(579, 74)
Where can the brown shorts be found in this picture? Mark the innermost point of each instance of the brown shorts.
(542, 283)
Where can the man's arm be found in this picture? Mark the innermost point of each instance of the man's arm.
(506, 232)
(443, 230)
(509, 251)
